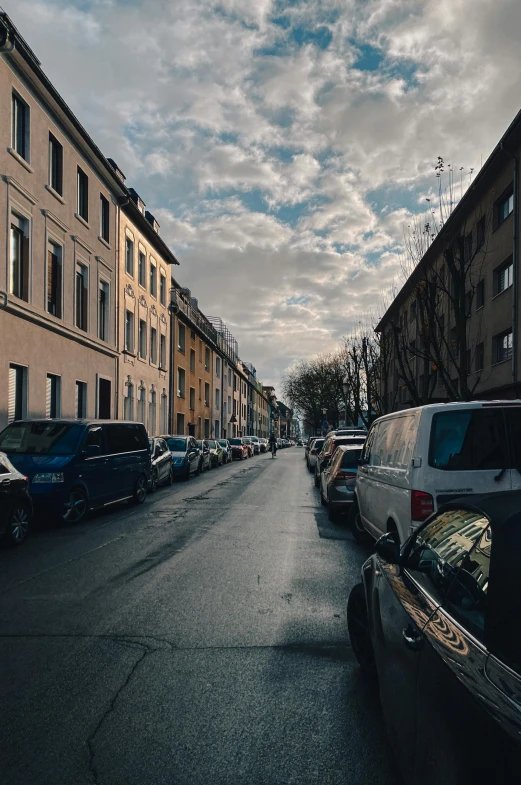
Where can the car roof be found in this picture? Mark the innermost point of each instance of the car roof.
(347, 447)
(500, 507)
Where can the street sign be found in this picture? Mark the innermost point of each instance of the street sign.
(3, 300)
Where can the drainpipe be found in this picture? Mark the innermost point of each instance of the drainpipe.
(120, 204)
(173, 309)
(515, 261)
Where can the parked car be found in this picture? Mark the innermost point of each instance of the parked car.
(436, 621)
(227, 450)
(162, 471)
(186, 458)
(417, 459)
(76, 465)
(263, 445)
(256, 444)
(239, 449)
(300, 443)
(337, 480)
(16, 507)
(205, 460)
(216, 453)
(249, 444)
(328, 450)
(315, 447)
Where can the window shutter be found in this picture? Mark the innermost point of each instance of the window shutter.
(25, 268)
(11, 411)
(48, 390)
(84, 302)
(58, 286)
(77, 401)
(50, 278)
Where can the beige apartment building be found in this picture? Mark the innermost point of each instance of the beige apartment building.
(143, 318)
(453, 330)
(58, 199)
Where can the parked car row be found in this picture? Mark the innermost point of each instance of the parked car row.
(64, 468)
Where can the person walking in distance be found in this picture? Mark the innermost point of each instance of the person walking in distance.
(273, 445)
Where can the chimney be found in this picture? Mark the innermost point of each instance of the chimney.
(194, 302)
(137, 200)
(152, 221)
(117, 169)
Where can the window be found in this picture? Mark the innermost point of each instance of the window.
(129, 256)
(142, 404)
(152, 413)
(55, 165)
(94, 438)
(480, 357)
(207, 359)
(83, 195)
(125, 437)
(128, 405)
(217, 399)
(17, 406)
(142, 338)
(503, 276)
(200, 390)
(192, 335)
(207, 429)
(153, 280)
(129, 331)
(19, 258)
(54, 280)
(468, 303)
(467, 440)
(480, 232)
(450, 559)
(200, 351)
(104, 398)
(502, 346)
(206, 394)
(52, 399)
(230, 378)
(192, 360)
(153, 345)
(82, 297)
(181, 337)
(180, 424)
(181, 382)
(104, 210)
(192, 398)
(480, 294)
(81, 400)
(20, 127)
(163, 413)
(218, 367)
(467, 247)
(162, 289)
(217, 429)
(162, 351)
(103, 311)
(504, 206)
(142, 269)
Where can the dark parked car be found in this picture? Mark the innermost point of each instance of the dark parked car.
(332, 441)
(205, 457)
(162, 472)
(16, 508)
(75, 465)
(185, 455)
(227, 449)
(437, 623)
(239, 449)
(337, 480)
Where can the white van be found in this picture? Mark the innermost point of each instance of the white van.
(417, 459)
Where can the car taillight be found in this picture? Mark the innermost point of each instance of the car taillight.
(345, 475)
(422, 505)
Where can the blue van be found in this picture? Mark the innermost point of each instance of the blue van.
(76, 465)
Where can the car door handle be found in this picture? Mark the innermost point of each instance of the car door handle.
(413, 638)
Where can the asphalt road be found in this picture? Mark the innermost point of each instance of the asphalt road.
(199, 639)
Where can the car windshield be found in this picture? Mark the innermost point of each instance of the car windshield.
(211, 444)
(200, 443)
(222, 442)
(317, 444)
(42, 438)
(176, 445)
(237, 442)
(246, 440)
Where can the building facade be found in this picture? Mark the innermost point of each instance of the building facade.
(452, 332)
(58, 196)
(143, 318)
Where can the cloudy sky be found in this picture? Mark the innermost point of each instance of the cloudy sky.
(283, 145)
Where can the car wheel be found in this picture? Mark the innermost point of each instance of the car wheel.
(332, 514)
(358, 626)
(187, 473)
(17, 523)
(153, 482)
(76, 506)
(171, 475)
(323, 502)
(140, 490)
(199, 468)
(357, 527)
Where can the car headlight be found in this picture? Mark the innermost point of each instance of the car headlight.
(49, 478)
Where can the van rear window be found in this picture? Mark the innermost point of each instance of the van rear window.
(468, 440)
(350, 459)
(125, 438)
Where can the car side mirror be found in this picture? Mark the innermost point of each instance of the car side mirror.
(91, 450)
(363, 461)
(388, 547)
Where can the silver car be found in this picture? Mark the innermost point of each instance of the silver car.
(314, 449)
(337, 480)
